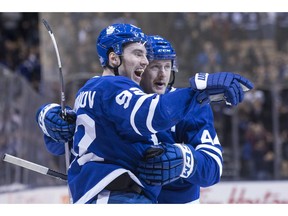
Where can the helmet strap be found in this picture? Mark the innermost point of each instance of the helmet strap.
(115, 69)
(116, 72)
(170, 84)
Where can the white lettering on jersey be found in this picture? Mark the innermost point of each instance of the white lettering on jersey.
(125, 96)
(83, 98)
(90, 132)
(216, 140)
(137, 91)
(206, 137)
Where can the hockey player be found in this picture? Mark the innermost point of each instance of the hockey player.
(196, 130)
(116, 121)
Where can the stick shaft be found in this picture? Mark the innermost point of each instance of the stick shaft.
(34, 167)
(59, 65)
(67, 151)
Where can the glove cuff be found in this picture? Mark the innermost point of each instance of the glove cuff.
(188, 160)
(41, 117)
(201, 80)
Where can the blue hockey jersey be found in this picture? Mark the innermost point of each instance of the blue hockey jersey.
(116, 123)
(197, 128)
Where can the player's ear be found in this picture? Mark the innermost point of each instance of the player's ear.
(114, 59)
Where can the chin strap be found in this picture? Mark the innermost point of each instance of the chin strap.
(170, 84)
(115, 69)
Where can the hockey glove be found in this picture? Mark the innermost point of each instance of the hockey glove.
(222, 86)
(166, 163)
(53, 125)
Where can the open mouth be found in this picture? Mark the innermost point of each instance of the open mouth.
(139, 72)
(160, 84)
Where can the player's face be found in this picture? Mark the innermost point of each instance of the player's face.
(134, 61)
(156, 76)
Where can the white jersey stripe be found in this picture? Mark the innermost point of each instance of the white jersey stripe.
(103, 197)
(217, 150)
(103, 183)
(151, 114)
(216, 158)
(134, 111)
(88, 157)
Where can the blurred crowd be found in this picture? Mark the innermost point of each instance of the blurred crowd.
(19, 45)
(253, 44)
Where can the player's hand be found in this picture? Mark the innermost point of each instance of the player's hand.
(221, 86)
(166, 163)
(53, 125)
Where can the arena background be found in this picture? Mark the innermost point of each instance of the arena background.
(254, 135)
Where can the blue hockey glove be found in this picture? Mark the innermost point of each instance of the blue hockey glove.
(53, 125)
(221, 86)
(166, 163)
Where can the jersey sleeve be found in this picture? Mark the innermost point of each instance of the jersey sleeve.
(201, 135)
(144, 114)
(54, 147)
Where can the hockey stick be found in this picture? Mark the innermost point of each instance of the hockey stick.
(34, 167)
(63, 112)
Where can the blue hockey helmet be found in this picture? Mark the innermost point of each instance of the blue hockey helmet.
(114, 37)
(158, 48)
